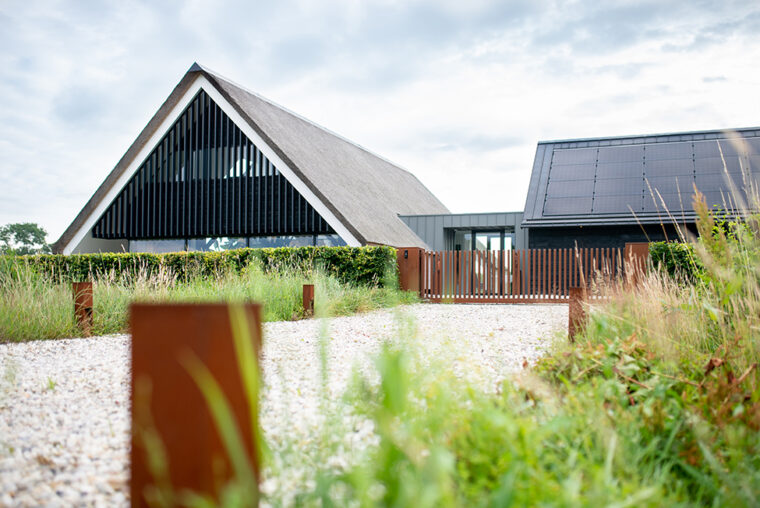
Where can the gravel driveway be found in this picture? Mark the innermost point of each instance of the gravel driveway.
(64, 419)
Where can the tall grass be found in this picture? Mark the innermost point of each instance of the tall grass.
(656, 404)
(33, 306)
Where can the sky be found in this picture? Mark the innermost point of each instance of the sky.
(457, 92)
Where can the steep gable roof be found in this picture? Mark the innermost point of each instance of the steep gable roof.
(363, 191)
(624, 180)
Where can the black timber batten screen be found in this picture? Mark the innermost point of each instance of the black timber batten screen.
(205, 178)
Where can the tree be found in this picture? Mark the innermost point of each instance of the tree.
(23, 238)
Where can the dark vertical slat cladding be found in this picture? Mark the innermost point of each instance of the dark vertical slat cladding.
(175, 209)
(265, 195)
(164, 226)
(245, 203)
(202, 154)
(205, 178)
(151, 196)
(170, 183)
(257, 188)
(227, 197)
(241, 181)
(141, 210)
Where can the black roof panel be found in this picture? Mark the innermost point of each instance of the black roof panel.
(597, 180)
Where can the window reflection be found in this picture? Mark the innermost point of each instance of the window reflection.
(157, 246)
(330, 241)
(215, 244)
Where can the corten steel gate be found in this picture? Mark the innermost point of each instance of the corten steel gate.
(517, 276)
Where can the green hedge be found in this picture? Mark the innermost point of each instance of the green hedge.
(677, 259)
(355, 265)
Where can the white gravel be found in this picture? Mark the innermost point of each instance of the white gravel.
(64, 420)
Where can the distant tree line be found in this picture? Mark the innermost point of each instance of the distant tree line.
(23, 238)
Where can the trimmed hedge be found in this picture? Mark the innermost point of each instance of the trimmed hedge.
(677, 259)
(353, 265)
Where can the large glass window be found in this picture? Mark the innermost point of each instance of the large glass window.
(462, 239)
(215, 244)
(330, 241)
(156, 246)
(488, 240)
(467, 239)
(259, 242)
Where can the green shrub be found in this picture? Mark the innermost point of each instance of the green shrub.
(353, 265)
(34, 305)
(676, 259)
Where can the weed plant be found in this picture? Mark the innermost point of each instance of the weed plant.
(35, 306)
(656, 404)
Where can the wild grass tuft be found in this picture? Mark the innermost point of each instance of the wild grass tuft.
(34, 306)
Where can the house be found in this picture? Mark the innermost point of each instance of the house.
(220, 167)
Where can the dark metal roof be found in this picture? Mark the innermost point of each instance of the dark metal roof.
(640, 179)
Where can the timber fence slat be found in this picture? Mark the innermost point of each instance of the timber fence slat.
(528, 275)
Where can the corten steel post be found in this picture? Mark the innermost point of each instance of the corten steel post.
(576, 318)
(308, 299)
(635, 259)
(83, 304)
(166, 399)
(409, 273)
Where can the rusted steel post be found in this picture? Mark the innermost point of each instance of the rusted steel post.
(409, 272)
(308, 300)
(168, 404)
(576, 313)
(83, 304)
(636, 255)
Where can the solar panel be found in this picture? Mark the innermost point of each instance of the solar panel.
(721, 201)
(619, 186)
(617, 204)
(620, 169)
(574, 156)
(675, 204)
(754, 163)
(668, 151)
(707, 165)
(714, 182)
(709, 149)
(704, 149)
(671, 184)
(621, 154)
(568, 206)
(563, 189)
(753, 146)
(572, 172)
(654, 168)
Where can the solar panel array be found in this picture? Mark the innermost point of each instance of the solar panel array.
(648, 178)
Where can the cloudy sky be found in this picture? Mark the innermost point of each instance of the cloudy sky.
(458, 92)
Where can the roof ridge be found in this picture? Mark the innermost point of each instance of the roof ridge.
(654, 135)
(196, 67)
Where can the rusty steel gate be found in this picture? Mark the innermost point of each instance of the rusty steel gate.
(513, 276)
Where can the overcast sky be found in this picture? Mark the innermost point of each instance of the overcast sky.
(458, 92)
